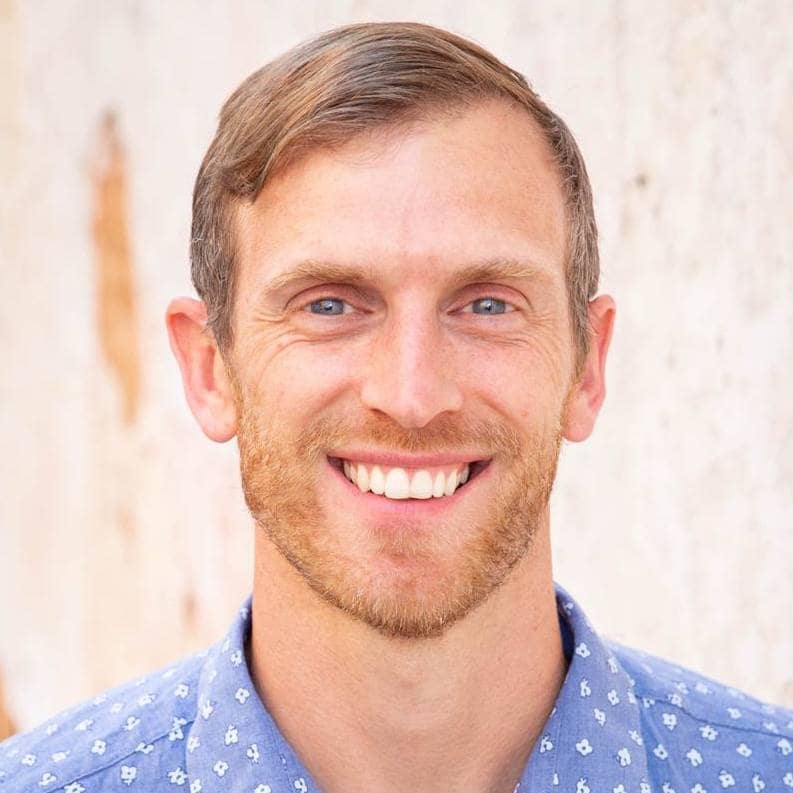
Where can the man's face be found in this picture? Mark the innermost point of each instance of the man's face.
(399, 348)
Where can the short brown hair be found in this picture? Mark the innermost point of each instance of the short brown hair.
(337, 85)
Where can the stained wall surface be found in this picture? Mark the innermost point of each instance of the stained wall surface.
(124, 540)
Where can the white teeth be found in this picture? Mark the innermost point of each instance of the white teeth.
(363, 478)
(377, 481)
(397, 484)
(421, 485)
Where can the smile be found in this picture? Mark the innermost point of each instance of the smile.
(399, 483)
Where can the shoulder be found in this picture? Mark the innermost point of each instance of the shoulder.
(124, 735)
(706, 735)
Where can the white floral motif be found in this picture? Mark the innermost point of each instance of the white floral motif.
(181, 691)
(144, 748)
(131, 723)
(220, 767)
(600, 716)
(758, 784)
(83, 725)
(660, 752)
(231, 736)
(241, 695)
(624, 757)
(47, 779)
(743, 750)
(129, 774)
(252, 753)
(669, 720)
(584, 688)
(59, 757)
(28, 759)
(613, 697)
(708, 732)
(263, 789)
(726, 779)
(177, 776)
(236, 657)
(195, 786)
(694, 757)
(176, 733)
(582, 650)
(74, 787)
(300, 784)
(619, 789)
(193, 743)
(98, 746)
(584, 747)
(788, 779)
(546, 745)
(784, 746)
(581, 786)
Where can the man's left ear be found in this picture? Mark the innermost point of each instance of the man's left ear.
(589, 392)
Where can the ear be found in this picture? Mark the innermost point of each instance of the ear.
(207, 385)
(588, 393)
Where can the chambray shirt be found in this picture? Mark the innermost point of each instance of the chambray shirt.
(623, 722)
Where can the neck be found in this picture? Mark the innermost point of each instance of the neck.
(465, 708)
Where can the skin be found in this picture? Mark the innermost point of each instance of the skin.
(408, 652)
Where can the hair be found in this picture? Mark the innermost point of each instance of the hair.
(345, 82)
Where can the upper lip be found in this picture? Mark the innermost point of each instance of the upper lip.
(374, 457)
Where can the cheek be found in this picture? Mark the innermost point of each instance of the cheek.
(526, 381)
(302, 375)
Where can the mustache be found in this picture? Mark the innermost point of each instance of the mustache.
(442, 435)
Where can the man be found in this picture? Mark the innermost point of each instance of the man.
(394, 245)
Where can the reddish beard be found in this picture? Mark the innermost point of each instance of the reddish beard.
(434, 578)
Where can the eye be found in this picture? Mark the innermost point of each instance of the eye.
(328, 306)
(489, 306)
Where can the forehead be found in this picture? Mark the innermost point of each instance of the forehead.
(413, 203)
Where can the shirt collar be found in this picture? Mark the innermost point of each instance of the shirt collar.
(233, 732)
(593, 731)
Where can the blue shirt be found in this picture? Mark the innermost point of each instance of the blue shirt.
(623, 722)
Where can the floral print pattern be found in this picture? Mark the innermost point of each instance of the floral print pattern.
(624, 722)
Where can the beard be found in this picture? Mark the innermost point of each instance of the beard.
(405, 580)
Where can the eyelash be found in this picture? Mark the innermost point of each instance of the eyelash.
(306, 306)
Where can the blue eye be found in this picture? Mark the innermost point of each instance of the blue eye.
(490, 305)
(329, 306)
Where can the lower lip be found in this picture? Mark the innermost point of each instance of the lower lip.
(406, 507)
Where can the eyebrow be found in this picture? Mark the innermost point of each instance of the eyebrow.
(314, 270)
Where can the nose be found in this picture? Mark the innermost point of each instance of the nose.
(411, 375)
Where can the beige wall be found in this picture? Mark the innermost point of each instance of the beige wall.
(124, 540)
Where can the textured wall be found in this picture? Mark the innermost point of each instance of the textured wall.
(124, 538)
